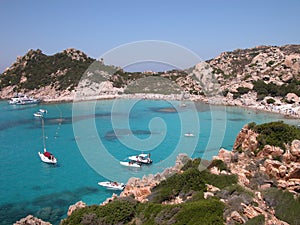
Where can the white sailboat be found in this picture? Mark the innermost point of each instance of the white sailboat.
(46, 156)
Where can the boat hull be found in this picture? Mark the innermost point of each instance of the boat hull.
(139, 160)
(112, 185)
(189, 135)
(46, 159)
(129, 164)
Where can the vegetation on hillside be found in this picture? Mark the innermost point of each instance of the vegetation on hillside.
(195, 210)
(39, 70)
(270, 89)
(62, 71)
(287, 207)
(275, 133)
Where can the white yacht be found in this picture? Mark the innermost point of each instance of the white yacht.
(141, 158)
(112, 185)
(21, 99)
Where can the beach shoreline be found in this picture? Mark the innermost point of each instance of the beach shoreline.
(290, 111)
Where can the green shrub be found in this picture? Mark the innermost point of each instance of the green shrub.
(258, 220)
(117, 211)
(220, 181)
(270, 63)
(202, 212)
(243, 90)
(263, 89)
(197, 212)
(168, 189)
(270, 101)
(219, 164)
(287, 208)
(251, 125)
(192, 163)
(276, 134)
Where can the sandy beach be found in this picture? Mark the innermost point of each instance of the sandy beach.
(288, 110)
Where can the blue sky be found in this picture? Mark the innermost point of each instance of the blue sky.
(205, 27)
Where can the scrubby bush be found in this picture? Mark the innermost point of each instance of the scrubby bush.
(201, 212)
(287, 208)
(219, 164)
(115, 212)
(258, 220)
(168, 189)
(276, 134)
(270, 100)
(263, 89)
(251, 125)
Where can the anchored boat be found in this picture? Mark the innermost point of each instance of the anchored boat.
(112, 185)
(46, 156)
(131, 164)
(141, 158)
(21, 99)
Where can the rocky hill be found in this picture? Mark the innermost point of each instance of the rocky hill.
(42, 75)
(266, 74)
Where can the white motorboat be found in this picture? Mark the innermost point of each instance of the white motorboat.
(38, 114)
(189, 135)
(131, 164)
(141, 158)
(112, 185)
(21, 99)
(46, 156)
(43, 111)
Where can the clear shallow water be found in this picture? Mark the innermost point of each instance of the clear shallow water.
(28, 186)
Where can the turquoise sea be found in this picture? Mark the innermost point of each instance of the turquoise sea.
(90, 138)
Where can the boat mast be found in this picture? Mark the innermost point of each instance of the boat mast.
(44, 142)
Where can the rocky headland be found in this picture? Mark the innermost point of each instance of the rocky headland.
(264, 175)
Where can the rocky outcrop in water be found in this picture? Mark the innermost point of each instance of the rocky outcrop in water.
(31, 220)
(77, 205)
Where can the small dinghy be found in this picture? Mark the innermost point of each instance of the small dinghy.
(112, 185)
(38, 114)
(43, 110)
(189, 135)
(141, 158)
(131, 164)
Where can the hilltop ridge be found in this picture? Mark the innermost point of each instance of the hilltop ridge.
(256, 77)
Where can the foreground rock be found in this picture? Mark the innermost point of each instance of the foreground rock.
(141, 188)
(77, 205)
(271, 167)
(31, 220)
